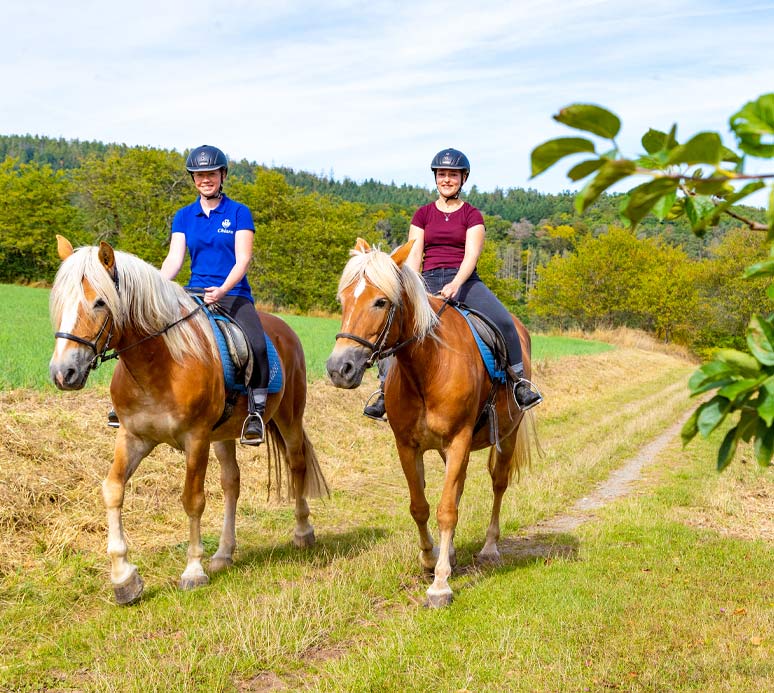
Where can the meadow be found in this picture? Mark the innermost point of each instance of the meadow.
(667, 588)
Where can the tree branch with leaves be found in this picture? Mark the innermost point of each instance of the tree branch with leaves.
(700, 180)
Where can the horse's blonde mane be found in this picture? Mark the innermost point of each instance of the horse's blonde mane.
(144, 300)
(378, 268)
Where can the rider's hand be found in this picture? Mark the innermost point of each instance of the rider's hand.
(213, 294)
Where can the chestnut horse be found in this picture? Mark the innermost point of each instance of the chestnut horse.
(168, 387)
(434, 394)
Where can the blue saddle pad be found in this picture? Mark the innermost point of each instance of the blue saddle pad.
(229, 369)
(487, 355)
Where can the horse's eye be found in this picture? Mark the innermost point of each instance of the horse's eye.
(99, 303)
(380, 303)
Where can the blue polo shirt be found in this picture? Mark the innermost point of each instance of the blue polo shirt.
(210, 242)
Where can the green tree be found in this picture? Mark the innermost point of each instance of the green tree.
(702, 180)
(35, 206)
(130, 197)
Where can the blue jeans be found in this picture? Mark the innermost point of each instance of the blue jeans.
(476, 294)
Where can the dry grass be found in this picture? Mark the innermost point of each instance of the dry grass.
(633, 339)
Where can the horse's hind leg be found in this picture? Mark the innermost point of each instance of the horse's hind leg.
(225, 451)
(129, 452)
(500, 471)
(298, 450)
(197, 454)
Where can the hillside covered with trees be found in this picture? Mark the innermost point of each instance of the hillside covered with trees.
(549, 265)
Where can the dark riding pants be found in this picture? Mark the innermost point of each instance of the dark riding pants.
(476, 294)
(242, 310)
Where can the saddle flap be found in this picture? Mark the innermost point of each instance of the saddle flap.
(236, 344)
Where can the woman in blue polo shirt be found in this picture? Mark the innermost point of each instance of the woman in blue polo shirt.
(218, 233)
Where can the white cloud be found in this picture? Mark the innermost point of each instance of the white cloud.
(372, 90)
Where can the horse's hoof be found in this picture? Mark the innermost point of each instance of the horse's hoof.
(304, 541)
(219, 564)
(130, 590)
(490, 558)
(438, 600)
(191, 583)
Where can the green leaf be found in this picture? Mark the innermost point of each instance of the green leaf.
(760, 269)
(654, 141)
(770, 215)
(753, 124)
(584, 168)
(642, 198)
(740, 388)
(740, 361)
(764, 444)
(760, 339)
(705, 147)
(609, 174)
(664, 206)
(699, 210)
(711, 414)
(748, 425)
(690, 428)
(727, 449)
(765, 404)
(547, 154)
(590, 118)
(729, 156)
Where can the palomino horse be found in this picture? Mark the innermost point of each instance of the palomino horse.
(433, 394)
(168, 387)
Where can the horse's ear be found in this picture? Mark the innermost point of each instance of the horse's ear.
(400, 254)
(361, 245)
(107, 257)
(63, 247)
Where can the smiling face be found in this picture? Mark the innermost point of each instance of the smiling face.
(449, 181)
(208, 182)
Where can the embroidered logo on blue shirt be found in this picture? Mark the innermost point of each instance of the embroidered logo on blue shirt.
(224, 227)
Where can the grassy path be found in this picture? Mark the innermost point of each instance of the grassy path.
(664, 589)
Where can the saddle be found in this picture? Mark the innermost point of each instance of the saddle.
(491, 347)
(236, 357)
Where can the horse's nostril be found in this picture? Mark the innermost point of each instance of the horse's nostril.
(347, 368)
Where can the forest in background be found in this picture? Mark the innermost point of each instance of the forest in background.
(550, 265)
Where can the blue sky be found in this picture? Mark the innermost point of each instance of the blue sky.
(374, 89)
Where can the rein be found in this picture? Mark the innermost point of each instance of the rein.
(378, 348)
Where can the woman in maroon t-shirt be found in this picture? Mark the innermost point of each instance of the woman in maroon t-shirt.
(448, 237)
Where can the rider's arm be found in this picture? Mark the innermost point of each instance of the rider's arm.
(474, 244)
(243, 249)
(417, 252)
(175, 256)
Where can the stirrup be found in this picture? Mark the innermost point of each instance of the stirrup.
(374, 411)
(252, 441)
(112, 419)
(529, 405)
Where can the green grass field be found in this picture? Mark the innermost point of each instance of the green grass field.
(26, 341)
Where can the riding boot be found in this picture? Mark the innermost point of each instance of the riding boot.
(522, 389)
(112, 418)
(376, 410)
(252, 428)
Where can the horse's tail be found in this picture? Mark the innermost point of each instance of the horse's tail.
(526, 433)
(315, 485)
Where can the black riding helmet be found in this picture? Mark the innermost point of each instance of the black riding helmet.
(207, 158)
(452, 159)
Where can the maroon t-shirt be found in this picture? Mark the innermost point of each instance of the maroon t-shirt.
(445, 233)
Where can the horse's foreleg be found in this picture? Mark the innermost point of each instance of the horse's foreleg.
(499, 469)
(225, 451)
(197, 452)
(414, 470)
(129, 451)
(458, 453)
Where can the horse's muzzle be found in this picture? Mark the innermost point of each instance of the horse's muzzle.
(346, 367)
(71, 371)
